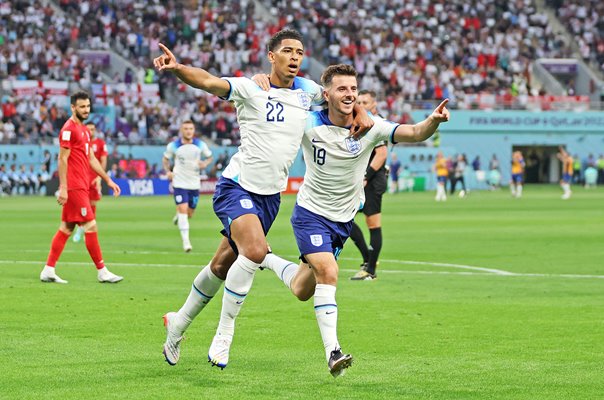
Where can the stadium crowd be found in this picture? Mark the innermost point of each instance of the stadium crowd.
(583, 19)
(409, 51)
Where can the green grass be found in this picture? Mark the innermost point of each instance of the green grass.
(454, 326)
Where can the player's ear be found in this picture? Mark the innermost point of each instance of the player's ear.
(271, 57)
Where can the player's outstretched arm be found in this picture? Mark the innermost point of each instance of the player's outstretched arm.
(196, 77)
(96, 167)
(423, 130)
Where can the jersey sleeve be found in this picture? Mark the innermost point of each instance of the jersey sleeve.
(382, 131)
(65, 137)
(241, 89)
(170, 150)
(205, 150)
(317, 94)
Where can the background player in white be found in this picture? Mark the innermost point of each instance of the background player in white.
(186, 152)
(247, 196)
(330, 196)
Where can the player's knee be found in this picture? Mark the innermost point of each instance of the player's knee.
(90, 226)
(254, 252)
(328, 277)
(256, 255)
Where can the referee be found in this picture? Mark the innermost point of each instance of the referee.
(375, 186)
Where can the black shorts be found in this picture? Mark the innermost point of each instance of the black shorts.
(374, 191)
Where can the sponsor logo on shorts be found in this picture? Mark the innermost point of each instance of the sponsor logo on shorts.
(84, 211)
(246, 203)
(178, 198)
(316, 240)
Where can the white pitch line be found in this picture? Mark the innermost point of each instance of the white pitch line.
(466, 273)
(295, 257)
(438, 264)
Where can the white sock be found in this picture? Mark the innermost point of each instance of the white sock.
(512, 189)
(236, 286)
(205, 286)
(183, 225)
(566, 188)
(285, 270)
(519, 191)
(326, 311)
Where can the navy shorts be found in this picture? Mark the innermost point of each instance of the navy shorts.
(231, 201)
(317, 234)
(567, 178)
(191, 197)
(517, 178)
(441, 179)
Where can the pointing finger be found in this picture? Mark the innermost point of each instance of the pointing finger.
(442, 105)
(166, 51)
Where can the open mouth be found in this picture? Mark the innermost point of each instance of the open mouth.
(348, 102)
(293, 67)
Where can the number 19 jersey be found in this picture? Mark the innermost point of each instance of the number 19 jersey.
(335, 166)
(271, 125)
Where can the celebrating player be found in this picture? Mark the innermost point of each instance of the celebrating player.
(99, 148)
(247, 195)
(186, 153)
(330, 196)
(75, 161)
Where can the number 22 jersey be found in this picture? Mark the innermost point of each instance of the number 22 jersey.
(271, 125)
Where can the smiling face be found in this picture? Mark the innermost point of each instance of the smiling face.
(286, 61)
(341, 94)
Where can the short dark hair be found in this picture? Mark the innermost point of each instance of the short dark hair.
(80, 95)
(369, 92)
(187, 122)
(90, 123)
(339, 69)
(277, 38)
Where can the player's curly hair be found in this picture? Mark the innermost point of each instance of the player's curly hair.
(277, 38)
(339, 69)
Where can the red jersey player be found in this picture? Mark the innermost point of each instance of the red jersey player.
(75, 161)
(99, 148)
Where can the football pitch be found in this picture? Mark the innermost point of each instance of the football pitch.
(486, 297)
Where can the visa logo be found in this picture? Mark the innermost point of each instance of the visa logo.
(141, 187)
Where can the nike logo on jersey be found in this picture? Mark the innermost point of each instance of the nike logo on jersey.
(315, 140)
(272, 98)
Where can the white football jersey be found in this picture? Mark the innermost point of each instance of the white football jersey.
(186, 162)
(336, 164)
(271, 125)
